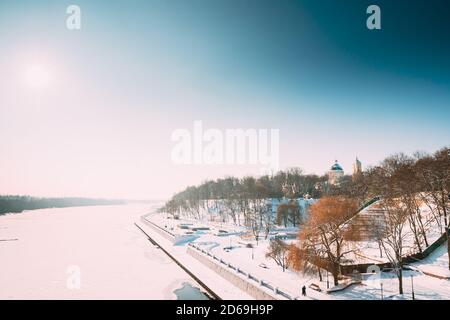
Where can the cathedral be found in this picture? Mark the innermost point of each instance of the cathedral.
(335, 174)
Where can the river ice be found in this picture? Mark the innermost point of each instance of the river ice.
(83, 253)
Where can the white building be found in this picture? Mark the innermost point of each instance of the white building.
(335, 174)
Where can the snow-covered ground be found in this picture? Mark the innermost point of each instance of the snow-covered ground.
(254, 261)
(114, 259)
(230, 243)
(436, 263)
(249, 260)
(217, 284)
(368, 251)
(425, 288)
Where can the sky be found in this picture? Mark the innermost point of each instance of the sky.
(91, 112)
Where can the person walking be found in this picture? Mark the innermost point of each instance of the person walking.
(303, 291)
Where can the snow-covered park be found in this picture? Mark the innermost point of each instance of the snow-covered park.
(235, 245)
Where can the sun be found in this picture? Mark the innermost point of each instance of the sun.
(37, 76)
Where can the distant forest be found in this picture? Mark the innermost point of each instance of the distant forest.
(15, 204)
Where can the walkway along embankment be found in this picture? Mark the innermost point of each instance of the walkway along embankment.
(249, 284)
(246, 282)
(205, 287)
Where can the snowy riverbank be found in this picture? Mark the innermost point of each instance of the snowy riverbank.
(230, 246)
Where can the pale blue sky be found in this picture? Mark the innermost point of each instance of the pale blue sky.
(137, 70)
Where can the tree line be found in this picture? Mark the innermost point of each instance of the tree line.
(16, 204)
(404, 185)
(233, 197)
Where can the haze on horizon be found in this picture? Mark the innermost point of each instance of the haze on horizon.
(91, 112)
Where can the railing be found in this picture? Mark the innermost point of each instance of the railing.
(368, 203)
(361, 208)
(247, 275)
(212, 293)
(144, 219)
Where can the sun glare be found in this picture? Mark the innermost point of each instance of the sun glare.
(37, 76)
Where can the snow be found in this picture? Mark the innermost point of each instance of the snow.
(115, 259)
(425, 288)
(369, 252)
(436, 263)
(241, 256)
(232, 247)
(217, 284)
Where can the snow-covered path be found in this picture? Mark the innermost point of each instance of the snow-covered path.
(436, 263)
(425, 288)
(114, 258)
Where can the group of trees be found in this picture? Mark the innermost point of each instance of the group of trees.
(16, 204)
(246, 201)
(243, 201)
(407, 184)
(289, 213)
(290, 184)
(404, 185)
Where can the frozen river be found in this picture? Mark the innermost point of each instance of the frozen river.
(83, 253)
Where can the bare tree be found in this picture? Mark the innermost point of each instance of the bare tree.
(405, 186)
(307, 256)
(392, 238)
(434, 174)
(278, 251)
(268, 220)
